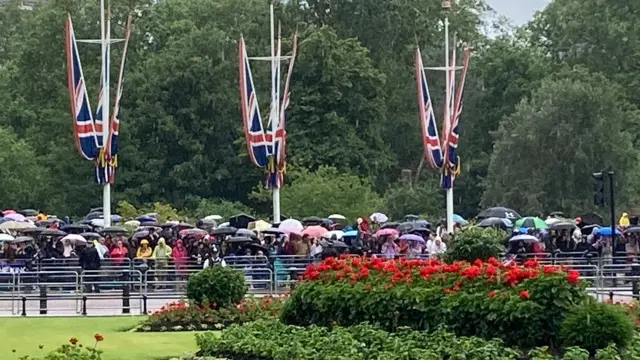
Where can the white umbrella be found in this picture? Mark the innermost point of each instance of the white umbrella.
(379, 218)
(16, 225)
(132, 223)
(6, 237)
(213, 217)
(75, 239)
(224, 224)
(97, 222)
(337, 217)
(524, 237)
(291, 226)
(338, 234)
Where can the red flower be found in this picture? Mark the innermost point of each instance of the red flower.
(364, 272)
(531, 263)
(493, 261)
(471, 272)
(73, 341)
(490, 270)
(573, 276)
(524, 294)
(447, 291)
(477, 262)
(492, 293)
(98, 337)
(397, 277)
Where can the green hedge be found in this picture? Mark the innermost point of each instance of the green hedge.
(272, 340)
(523, 306)
(217, 286)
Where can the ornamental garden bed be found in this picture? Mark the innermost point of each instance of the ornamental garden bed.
(522, 305)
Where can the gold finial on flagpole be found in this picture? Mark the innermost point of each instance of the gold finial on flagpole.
(446, 4)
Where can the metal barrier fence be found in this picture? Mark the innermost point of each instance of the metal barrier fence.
(138, 286)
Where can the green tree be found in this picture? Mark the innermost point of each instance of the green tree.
(323, 192)
(337, 107)
(505, 71)
(24, 180)
(424, 198)
(546, 151)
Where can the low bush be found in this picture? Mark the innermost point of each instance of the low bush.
(522, 305)
(182, 316)
(73, 351)
(218, 286)
(592, 325)
(475, 243)
(272, 340)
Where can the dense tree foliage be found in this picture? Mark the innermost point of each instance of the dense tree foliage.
(545, 106)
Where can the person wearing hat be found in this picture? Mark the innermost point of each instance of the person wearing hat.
(144, 251)
(624, 220)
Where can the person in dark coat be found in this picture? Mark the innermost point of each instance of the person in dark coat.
(90, 261)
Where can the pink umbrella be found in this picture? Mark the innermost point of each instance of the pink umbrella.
(15, 217)
(387, 232)
(8, 212)
(315, 231)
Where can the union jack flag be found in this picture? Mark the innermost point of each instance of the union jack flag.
(85, 130)
(441, 153)
(430, 138)
(257, 143)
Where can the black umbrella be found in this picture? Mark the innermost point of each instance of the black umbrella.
(33, 231)
(499, 212)
(406, 227)
(390, 225)
(29, 212)
(76, 228)
(334, 244)
(114, 230)
(633, 230)
(239, 240)
(495, 222)
(53, 232)
(312, 220)
(94, 215)
(149, 223)
(227, 230)
(182, 226)
(411, 217)
(256, 247)
(592, 218)
(587, 230)
(241, 221)
(140, 234)
(562, 225)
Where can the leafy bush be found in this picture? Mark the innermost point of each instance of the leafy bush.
(218, 286)
(73, 351)
(272, 340)
(593, 325)
(475, 243)
(181, 316)
(522, 305)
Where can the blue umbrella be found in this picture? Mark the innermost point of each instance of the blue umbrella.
(459, 219)
(352, 233)
(605, 231)
(116, 218)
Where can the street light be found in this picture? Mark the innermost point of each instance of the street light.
(598, 198)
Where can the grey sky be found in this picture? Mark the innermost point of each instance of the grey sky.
(519, 11)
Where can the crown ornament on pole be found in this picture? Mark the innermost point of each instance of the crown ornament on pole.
(446, 4)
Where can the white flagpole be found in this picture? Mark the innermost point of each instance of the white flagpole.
(446, 5)
(275, 100)
(105, 40)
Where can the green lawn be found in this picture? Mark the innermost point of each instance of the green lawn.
(25, 335)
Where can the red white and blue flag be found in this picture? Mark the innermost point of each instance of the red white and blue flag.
(257, 144)
(430, 138)
(84, 126)
(88, 126)
(441, 153)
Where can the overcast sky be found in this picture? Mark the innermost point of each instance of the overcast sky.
(519, 11)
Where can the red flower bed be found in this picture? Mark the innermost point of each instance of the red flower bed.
(182, 316)
(520, 304)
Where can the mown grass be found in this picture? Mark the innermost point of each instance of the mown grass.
(24, 336)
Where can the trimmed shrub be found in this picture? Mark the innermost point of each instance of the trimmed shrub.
(217, 286)
(475, 243)
(522, 305)
(592, 325)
